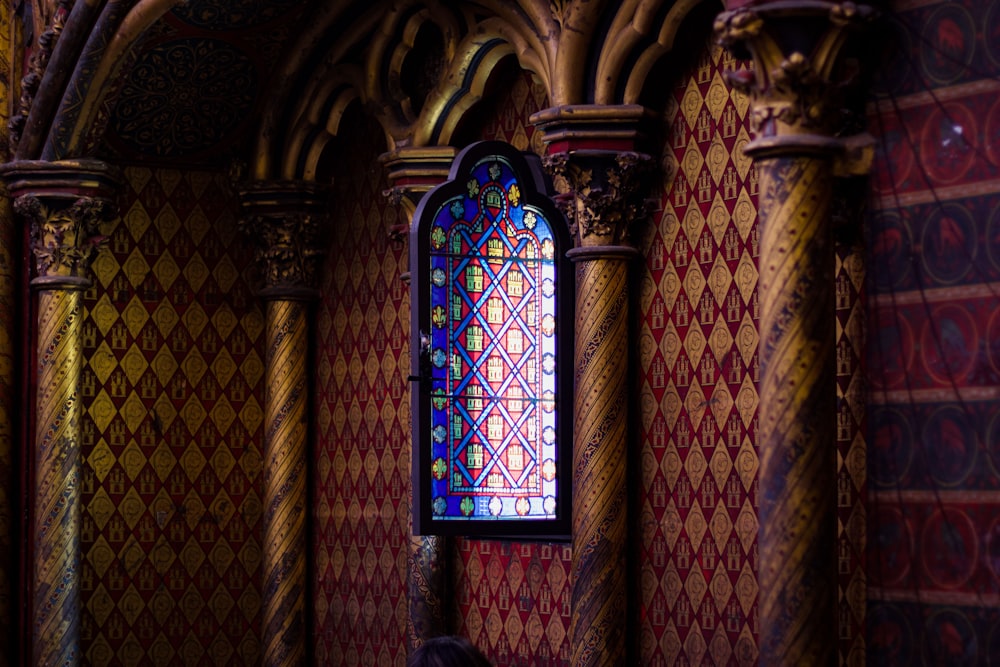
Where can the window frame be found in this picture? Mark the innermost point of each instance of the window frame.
(534, 187)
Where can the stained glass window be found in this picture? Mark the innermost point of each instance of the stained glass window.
(491, 407)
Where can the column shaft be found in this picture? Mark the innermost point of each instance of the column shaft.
(285, 493)
(797, 438)
(797, 89)
(602, 182)
(599, 581)
(427, 587)
(56, 627)
(66, 203)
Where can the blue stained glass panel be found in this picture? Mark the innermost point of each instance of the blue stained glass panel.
(492, 350)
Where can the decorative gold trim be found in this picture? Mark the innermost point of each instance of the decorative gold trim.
(47, 39)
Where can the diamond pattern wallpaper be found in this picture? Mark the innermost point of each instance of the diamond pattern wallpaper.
(362, 458)
(698, 357)
(172, 384)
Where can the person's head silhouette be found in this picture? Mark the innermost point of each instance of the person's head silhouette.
(449, 651)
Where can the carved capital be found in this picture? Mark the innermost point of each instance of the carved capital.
(66, 203)
(288, 251)
(602, 193)
(64, 239)
(804, 65)
(286, 220)
(413, 171)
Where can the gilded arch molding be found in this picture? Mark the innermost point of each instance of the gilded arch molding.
(583, 52)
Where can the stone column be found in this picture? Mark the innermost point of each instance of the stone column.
(65, 203)
(286, 218)
(599, 180)
(794, 105)
(412, 173)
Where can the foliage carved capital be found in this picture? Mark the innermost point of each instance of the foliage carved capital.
(64, 238)
(603, 194)
(286, 219)
(289, 252)
(805, 65)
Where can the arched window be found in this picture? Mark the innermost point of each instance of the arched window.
(491, 294)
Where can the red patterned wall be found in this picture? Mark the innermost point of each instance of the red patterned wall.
(698, 396)
(172, 385)
(512, 599)
(934, 546)
(362, 458)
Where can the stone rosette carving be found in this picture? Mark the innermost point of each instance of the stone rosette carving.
(601, 194)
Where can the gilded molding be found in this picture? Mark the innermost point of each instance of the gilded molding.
(64, 240)
(36, 69)
(601, 193)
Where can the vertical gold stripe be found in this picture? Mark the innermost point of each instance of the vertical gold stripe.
(597, 626)
(57, 476)
(285, 499)
(797, 541)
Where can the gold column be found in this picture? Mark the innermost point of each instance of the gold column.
(65, 202)
(794, 117)
(600, 184)
(285, 219)
(413, 171)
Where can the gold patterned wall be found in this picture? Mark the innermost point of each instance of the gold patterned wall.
(172, 388)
